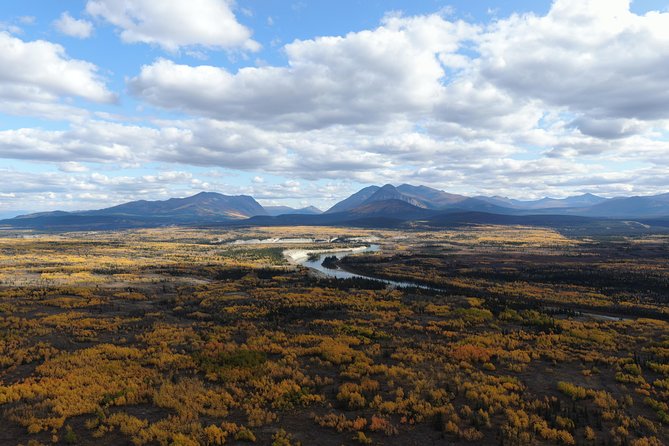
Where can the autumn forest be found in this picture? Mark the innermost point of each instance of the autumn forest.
(173, 336)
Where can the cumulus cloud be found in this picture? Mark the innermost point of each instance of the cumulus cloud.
(195, 143)
(72, 166)
(527, 105)
(174, 24)
(613, 128)
(205, 142)
(368, 76)
(42, 70)
(42, 75)
(370, 155)
(72, 27)
(596, 58)
(76, 190)
(80, 190)
(586, 79)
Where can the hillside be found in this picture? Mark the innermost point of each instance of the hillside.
(385, 206)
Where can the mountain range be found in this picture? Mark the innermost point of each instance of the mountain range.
(280, 210)
(371, 206)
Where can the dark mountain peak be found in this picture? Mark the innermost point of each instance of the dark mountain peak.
(587, 197)
(212, 196)
(420, 196)
(370, 205)
(387, 190)
(201, 205)
(390, 192)
(354, 200)
(405, 188)
(205, 194)
(431, 197)
(390, 208)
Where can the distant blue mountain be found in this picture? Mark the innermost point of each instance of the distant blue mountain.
(371, 206)
(281, 210)
(630, 207)
(12, 214)
(584, 200)
(205, 206)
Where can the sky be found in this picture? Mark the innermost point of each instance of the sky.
(302, 102)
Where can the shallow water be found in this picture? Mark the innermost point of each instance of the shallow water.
(604, 317)
(342, 274)
(337, 273)
(275, 241)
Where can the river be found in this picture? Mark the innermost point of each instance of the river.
(305, 258)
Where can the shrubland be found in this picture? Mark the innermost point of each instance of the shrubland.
(180, 337)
